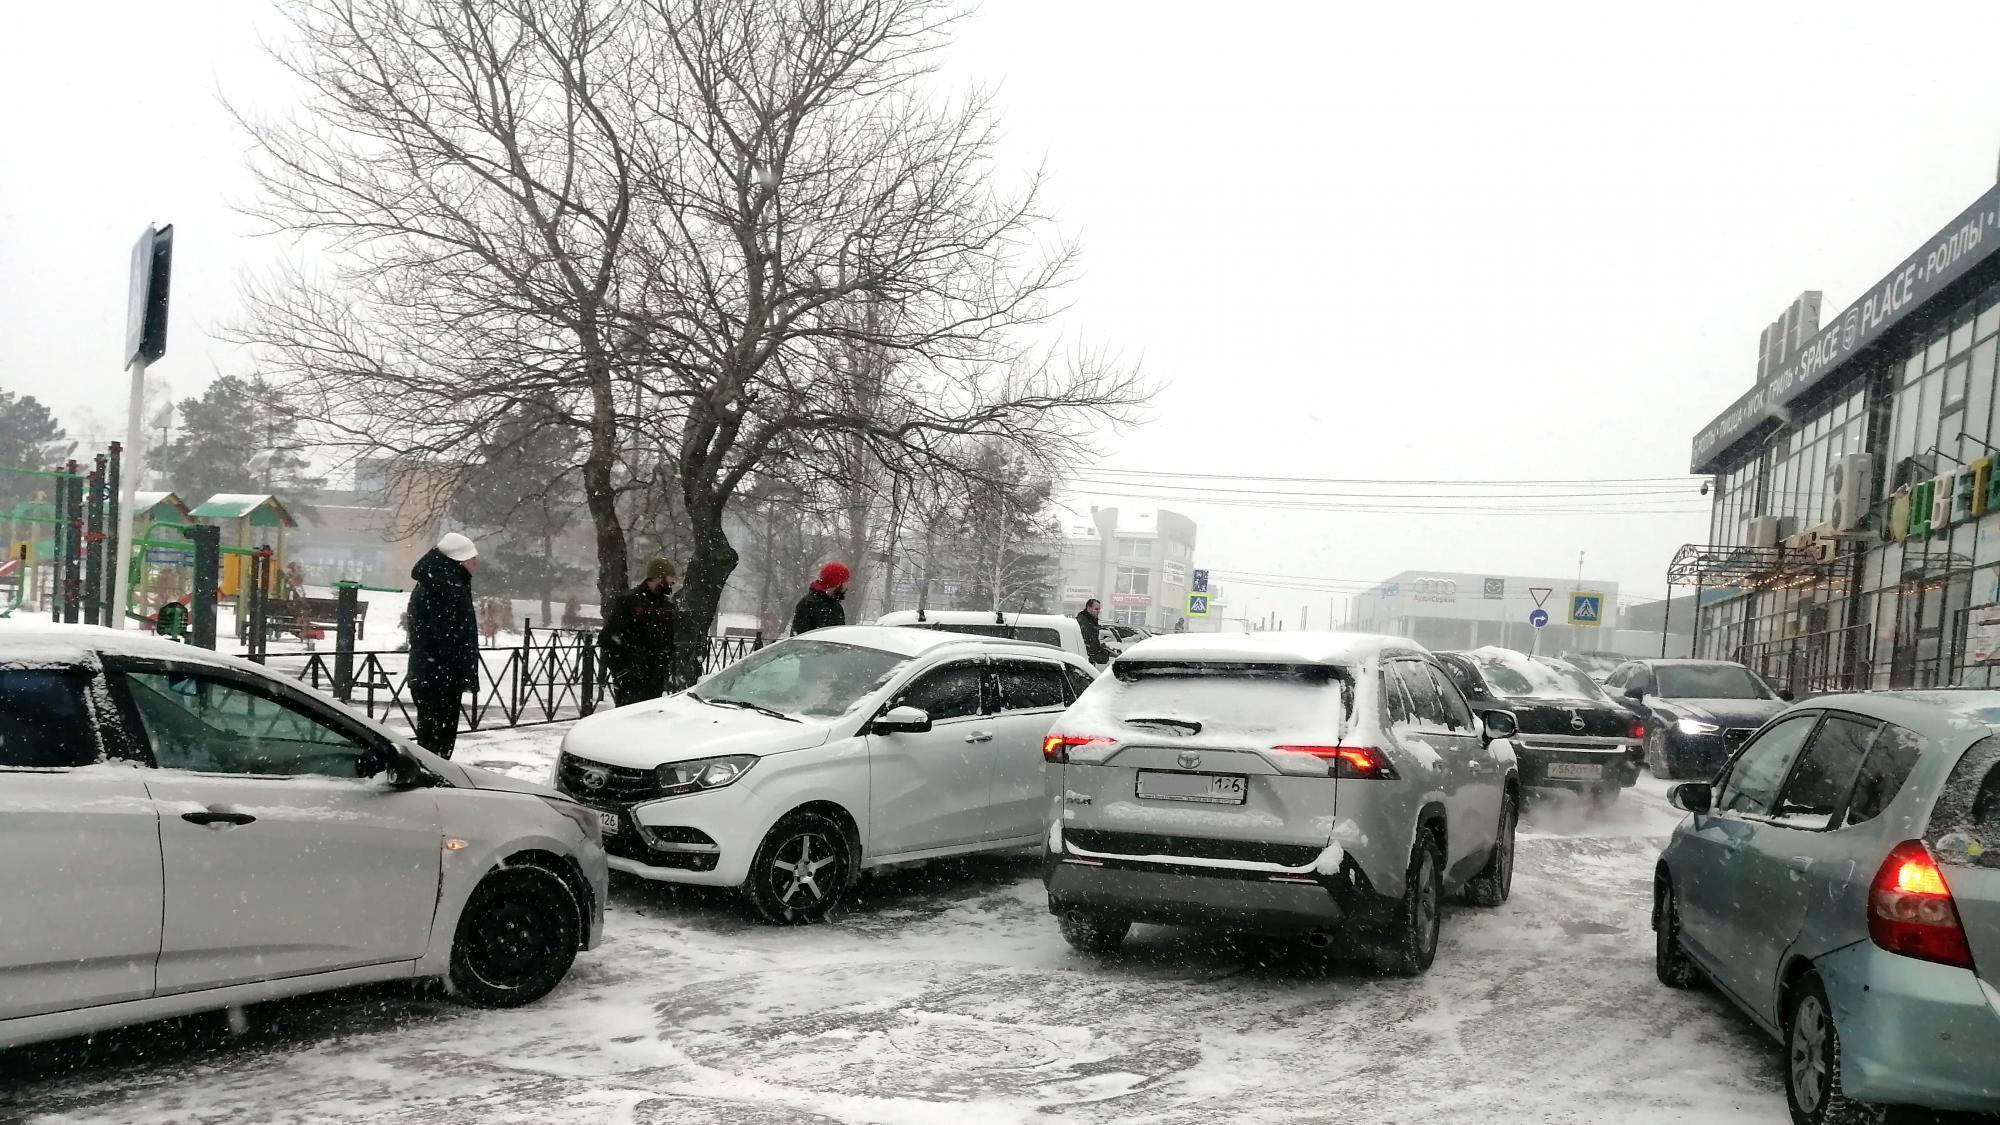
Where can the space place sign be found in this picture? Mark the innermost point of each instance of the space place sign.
(1964, 243)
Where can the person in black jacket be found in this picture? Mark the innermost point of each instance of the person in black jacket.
(444, 640)
(821, 608)
(1093, 633)
(638, 637)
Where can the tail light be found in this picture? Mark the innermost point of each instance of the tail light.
(1638, 730)
(1911, 912)
(1359, 763)
(1056, 747)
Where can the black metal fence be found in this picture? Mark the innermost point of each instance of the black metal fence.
(550, 677)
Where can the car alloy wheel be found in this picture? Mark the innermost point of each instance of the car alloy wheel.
(800, 865)
(1807, 1055)
(1813, 1090)
(1410, 944)
(801, 871)
(1496, 881)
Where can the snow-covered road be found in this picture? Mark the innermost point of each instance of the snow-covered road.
(946, 994)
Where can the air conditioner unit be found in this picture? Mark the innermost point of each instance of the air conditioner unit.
(1849, 486)
(1799, 542)
(1760, 531)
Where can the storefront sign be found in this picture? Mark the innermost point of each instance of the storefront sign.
(1964, 243)
(1932, 507)
(1132, 601)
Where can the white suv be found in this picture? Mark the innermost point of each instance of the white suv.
(792, 770)
(185, 832)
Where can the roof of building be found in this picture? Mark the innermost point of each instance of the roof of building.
(263, 510)
(148, 501)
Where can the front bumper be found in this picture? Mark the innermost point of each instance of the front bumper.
(1912, 1032)
(704, 839)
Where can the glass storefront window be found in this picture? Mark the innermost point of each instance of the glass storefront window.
(1934, 355)
(1913, 368)
(1954, 384)
(1927, 415)
(1961, 337)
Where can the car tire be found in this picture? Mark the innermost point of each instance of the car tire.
(1658, 757)
(516, 939)
(780, 892)
(1813, 1089)
(1495, 881)
(1092, 933)
(1671, 962)
(1410, 943)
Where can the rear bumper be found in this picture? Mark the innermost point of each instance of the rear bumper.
(1911, 1032)
(1617, 762)
(1208, 899)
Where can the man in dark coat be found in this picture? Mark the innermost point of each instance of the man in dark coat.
(821, 608)
(638, 637)
(444, 640)
(1093, 632)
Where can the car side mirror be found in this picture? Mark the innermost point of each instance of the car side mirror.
(1635, 691)
(902, 720)
(1498, 723)
(1691, 796)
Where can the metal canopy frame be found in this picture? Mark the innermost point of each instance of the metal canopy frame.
(1702, 565)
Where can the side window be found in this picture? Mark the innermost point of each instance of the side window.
(950, 692)
(1030, 685)
(1616, 679)
(1427, 709)
(43, 721)
(1457, 715)
(1039, 635)
(1889, 763)
(1640, 677)
(1079, 681)
(1460, 674)
(1759, 772)
(208, 724)
(1826, 772)
(1395, 702)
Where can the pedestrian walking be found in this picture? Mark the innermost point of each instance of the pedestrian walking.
(821, 608)
(443, 632)
(1093, 632)
(638, 636)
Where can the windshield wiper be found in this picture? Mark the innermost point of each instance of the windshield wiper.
(746, 705)
(1185, 726)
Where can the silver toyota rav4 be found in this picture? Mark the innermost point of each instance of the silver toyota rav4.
(1330, 785)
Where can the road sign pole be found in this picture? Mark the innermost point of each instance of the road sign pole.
(128, 486)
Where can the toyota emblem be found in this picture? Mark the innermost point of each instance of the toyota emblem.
(1575, 720)
(594, 778)
(1188, 759)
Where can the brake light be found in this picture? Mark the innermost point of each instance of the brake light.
(1056, 747)
(1911, 912)
(1359, 763)
(1638, 730)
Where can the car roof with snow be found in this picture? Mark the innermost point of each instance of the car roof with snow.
(918, 642)
(967, 617)
(48, 643)
(1288, 648)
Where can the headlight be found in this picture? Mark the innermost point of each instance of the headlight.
(584, 818)
(1695, 726)
(676, 778)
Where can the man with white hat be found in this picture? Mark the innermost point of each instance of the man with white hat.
(444, 640)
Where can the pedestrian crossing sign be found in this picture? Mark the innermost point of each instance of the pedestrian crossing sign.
(1197, 605)
(1586, 608)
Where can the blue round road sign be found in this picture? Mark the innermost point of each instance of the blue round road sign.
(1538, 618)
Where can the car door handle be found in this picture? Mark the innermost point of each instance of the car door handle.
(980, 736)
(1800, 864)
(212, 817)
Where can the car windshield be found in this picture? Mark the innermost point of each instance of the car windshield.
(1282, 702)
(802, 676)
(1593, 664)
(1709, 681)
(1513, 674)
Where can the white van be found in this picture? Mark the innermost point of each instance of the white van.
(1042, 628)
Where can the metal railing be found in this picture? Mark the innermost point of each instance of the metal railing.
(1813, 663)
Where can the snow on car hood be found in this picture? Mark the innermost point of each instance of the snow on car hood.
(495, 782)
(679, 728)
(1726, 712)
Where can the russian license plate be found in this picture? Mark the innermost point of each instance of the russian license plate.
(1575, 771)
(609, 822)
(1210, 788)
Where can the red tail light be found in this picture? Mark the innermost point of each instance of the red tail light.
(1911, 912)
(1056, 747)
(1638, 730)
(1360, 763)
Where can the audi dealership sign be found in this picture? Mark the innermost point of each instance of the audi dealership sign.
(1434, 589)
(1475, 597)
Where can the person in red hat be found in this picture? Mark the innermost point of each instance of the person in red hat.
(821, 608)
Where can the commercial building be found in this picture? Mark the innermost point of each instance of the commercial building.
(1854, 531)
(1139, 564)
(1445, 611)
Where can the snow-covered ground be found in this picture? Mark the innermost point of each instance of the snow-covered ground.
(945, 994)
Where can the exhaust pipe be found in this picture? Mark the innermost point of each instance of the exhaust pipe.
(1319, 939)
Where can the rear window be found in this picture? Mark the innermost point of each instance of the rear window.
(1515, 675)
(1252, 700)
(1004, 632)
(1965, 825)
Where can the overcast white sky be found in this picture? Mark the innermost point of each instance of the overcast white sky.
(1350, 241)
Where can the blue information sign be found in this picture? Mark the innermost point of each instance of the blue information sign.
(1200, 584)
(1538, 617)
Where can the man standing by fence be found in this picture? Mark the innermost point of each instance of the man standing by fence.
(638, 637)
(444, 640)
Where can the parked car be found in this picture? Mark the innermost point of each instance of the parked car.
(1572, 736)
(1331, 785)
(1052, 629)
(1694, 713)
(789, 772)
(1597, 665)
(187, 832)
(1840, 882)
(1118, 636)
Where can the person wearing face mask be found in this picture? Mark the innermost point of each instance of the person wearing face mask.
(638, 636)
(821, 608)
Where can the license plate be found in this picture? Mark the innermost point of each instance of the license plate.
(1209, 788)
(608, 821)
(1575, 771)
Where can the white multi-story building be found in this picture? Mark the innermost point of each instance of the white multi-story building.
(1138, 563)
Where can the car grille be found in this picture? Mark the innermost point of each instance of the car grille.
(1192, 847)
(619, 785)
(1734, 736)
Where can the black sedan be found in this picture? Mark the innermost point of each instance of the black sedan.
(1572, 735)
(1695, 712)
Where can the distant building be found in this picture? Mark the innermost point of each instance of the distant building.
(1446, 610)
(1137, 563)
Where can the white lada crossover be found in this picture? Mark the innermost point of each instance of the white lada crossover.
(791, 771)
